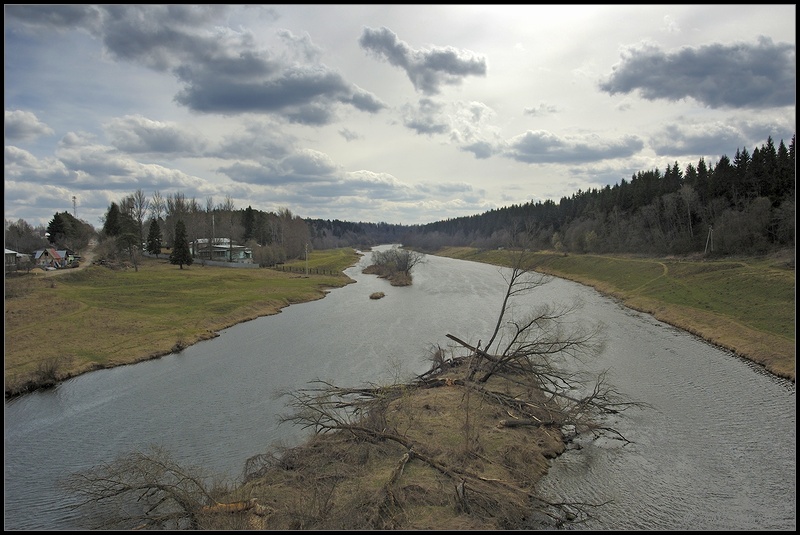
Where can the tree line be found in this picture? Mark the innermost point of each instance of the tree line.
(740, 206)
(744, 205)
(174, 222)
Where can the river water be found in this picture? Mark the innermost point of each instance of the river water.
(714, 449)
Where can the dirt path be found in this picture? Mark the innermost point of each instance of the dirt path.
(86, 260)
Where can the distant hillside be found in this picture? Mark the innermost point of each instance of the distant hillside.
(740, 206)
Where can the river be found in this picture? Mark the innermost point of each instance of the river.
(715, 449)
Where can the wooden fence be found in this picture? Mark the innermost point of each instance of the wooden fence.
(311, 271)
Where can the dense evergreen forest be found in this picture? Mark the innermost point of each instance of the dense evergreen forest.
(741, 206)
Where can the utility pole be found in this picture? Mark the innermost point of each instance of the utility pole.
(710, 239)
(74, 207)
(306, 260)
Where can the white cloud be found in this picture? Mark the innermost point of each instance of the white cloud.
(396, 113)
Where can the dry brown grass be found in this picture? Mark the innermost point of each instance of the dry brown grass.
(100, 317)
(349, 480)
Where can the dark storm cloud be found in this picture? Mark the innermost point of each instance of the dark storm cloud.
(221, 71)
(427, 69)
(741, 75)
(543, 147)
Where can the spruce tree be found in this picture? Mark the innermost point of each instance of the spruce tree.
(154, 238)
(180, 249)
(56, 229)
(112, 225)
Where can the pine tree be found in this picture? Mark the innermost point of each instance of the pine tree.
(180, 249)
(249, 223)
(112, 225)
(56, 229)
(154, 238)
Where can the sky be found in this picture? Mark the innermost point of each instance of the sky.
(402, 114)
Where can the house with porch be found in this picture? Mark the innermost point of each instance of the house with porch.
(221, 250)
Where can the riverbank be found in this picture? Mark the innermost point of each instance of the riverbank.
(746, 306)
(367, 473)
(95, 317)
(743, 305)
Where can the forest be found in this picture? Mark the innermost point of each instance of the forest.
(744, 205)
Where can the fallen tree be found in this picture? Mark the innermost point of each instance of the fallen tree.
(461, 446)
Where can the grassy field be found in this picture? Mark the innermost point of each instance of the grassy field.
(98, 317)
(746, 305)
(58, 327)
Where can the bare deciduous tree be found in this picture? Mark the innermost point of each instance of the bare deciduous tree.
(158, 206)
(524, 369)
(521, 378)
(143, 490)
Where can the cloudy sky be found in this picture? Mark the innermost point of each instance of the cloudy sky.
(380, 113)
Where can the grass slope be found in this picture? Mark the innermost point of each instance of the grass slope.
(745, 305)
(100, 317)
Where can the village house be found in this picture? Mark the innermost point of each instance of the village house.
(12, 264)
(47, 258)
(221, 250)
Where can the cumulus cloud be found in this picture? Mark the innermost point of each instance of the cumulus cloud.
(540, 147)
(24, 126)
(708, 138)
(301, 45)
(222, 71)
(257, 140)
(480, 149)
(427, 118)
(713, 139)
(541, 109)
(137, 134)
(95, 166)
(428, 69)
(21, 165)
(741, 75)
(301, 166)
